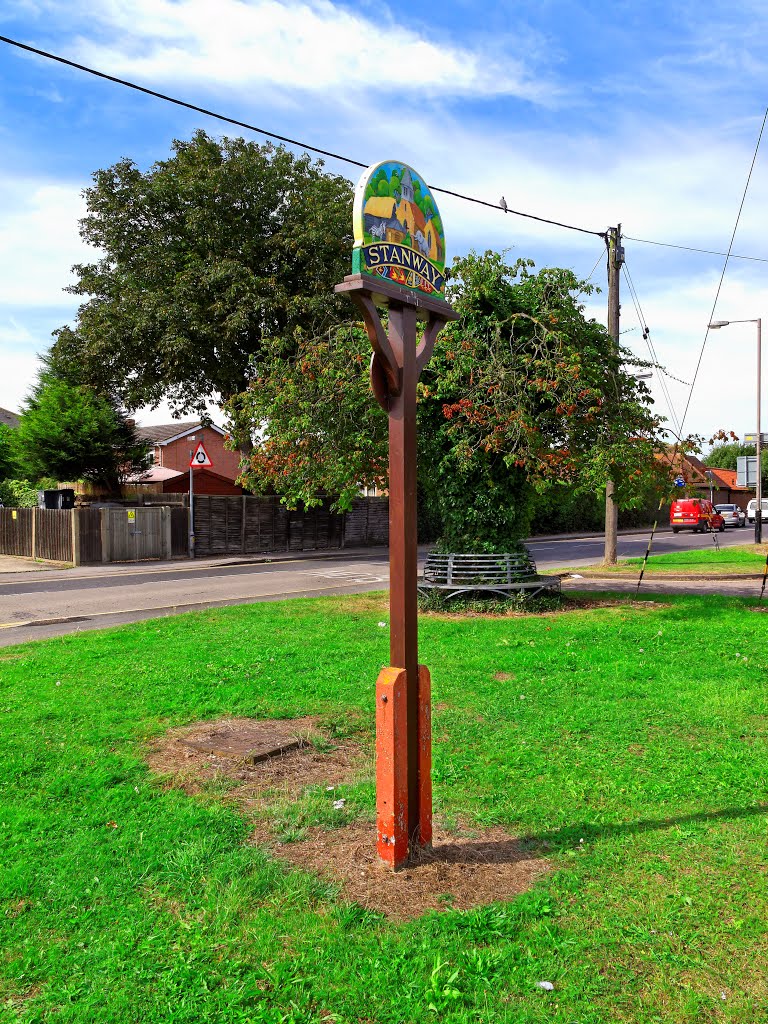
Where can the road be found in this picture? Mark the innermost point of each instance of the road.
(555, 553)
(53, 602)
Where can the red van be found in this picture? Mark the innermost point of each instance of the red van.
(697, 514)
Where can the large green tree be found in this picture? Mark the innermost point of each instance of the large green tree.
(525, 391)
(223, 251)
(522, 389)
(724, 454)
(7, 461)
(69, 432)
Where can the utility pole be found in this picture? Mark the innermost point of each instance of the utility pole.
(615, 260)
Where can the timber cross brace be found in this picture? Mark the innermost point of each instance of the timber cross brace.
(403, 706)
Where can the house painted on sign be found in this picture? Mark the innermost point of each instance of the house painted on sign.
(381, 221)
(401, 221)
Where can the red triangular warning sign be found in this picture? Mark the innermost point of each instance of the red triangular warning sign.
(200, 457)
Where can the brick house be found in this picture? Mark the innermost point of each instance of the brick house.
(171, 447)
(703, 480)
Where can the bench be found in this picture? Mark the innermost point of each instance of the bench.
(494, 574)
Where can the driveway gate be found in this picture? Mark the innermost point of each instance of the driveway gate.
(131, 534)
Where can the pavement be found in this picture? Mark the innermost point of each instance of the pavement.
(10, 564)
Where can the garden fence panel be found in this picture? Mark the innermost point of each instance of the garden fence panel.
(179, 532)
(89, 528)
(254, 525)
(53, 534)
(16, 531)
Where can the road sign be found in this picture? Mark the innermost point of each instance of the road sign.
(131, 515)
(752, 438)
(200, 457)
(746, 471)
(679, 481)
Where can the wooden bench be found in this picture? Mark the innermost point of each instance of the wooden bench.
(493, 574)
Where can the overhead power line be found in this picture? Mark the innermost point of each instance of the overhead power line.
(273, 135)
(651, 348)
(725, 267)
(691, 248)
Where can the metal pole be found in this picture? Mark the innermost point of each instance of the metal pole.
(758, 446)
(191, 512)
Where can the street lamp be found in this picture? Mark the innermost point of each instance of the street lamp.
(716, 325)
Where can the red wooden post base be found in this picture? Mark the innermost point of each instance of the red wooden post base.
(393, 841)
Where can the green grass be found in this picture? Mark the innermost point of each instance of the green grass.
(747, 559)
(629, 744)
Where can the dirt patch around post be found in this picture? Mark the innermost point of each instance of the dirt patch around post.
(463, 869)
(459, 872)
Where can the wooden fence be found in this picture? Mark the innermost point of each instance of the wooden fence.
(53, 539)
(16, 525)
(223, 526)
(253, 525)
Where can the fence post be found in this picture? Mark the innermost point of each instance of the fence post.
(34, 532)
(165, 524)
(75, 521)
(104, 525)
(242, 528)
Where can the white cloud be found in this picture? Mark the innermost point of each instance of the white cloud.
(312, 45)
(39, 242)
(18, 366)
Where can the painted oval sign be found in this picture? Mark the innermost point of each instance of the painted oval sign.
(398, 231)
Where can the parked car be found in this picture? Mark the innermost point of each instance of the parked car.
(752, 506)
(732, 515)
(697, 514)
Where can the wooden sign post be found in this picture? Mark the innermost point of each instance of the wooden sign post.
(398, 264)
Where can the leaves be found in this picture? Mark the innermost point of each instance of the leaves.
(522, 391)
(69, 432)
(322, 432)
(207, 258)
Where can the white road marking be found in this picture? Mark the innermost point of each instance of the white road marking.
(347, 574)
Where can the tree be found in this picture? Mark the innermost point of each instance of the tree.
(724, 455)
(7, 462)
(522, 389)
(209, 258)
(69, 432)
(323, 433)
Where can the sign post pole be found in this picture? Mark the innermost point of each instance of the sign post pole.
(191, 510)
(408, 286)
(198, 457)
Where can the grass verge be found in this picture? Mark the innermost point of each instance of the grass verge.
(627, 743)
(747, 559)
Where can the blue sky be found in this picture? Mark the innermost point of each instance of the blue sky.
(592, 114)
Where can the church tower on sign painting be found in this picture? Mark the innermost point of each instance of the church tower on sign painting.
(406, 187)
